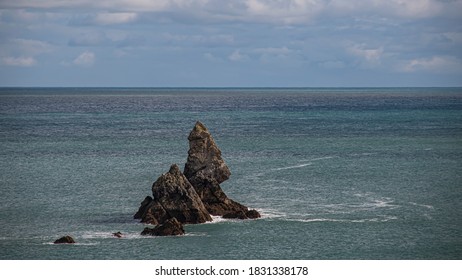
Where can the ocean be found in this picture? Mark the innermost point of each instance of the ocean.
(337, 173)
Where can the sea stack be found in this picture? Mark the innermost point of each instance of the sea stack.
(206, 170)
(193, 196)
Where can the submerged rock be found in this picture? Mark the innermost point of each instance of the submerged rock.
(173, 197)
(65, 240)
(253, 214)
(250, 214)
(170, 227)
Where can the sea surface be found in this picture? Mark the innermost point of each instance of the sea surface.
(338, 173)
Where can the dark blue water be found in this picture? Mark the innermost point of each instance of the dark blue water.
(356, 173)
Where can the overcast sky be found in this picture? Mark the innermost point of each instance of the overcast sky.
(241, 43)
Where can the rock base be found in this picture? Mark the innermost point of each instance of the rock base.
(170, 227)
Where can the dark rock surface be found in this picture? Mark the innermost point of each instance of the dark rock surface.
(215, 200)
(206, 170)
(143, 208)
(195, 195)
(204, 158)
(65, 240)
(170, 227)
(251, 214)
(173, 197)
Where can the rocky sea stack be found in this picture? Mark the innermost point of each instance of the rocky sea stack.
(193, 196)
(206, 170)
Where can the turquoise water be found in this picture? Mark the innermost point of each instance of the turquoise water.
(356, 173)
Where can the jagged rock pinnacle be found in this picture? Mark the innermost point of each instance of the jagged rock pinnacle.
(204, 158)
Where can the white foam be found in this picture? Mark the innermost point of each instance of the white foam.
(264, 212)
(110, 235)
(96, 234)
(422, 205)
(73, 244)
(293, 166)
(196, 234)
(219, 219)
(216, 219)
(377, 219)
(363, 154)
(320, 158)
(270, 213)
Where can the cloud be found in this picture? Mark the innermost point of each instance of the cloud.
(272, 53)
(237, 56)
(31, 47)
(332, 64)
(207, 40)
(432, 64)
(112, 5)
(115, 18)
(19, 61)
(287, 12)
(212, 58)
(89, 38)
(369, 57)
(418, 37)
(270, 11)
(23, 52)
(85, 59)
(102, 18)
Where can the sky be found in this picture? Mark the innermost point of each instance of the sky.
(241, 43)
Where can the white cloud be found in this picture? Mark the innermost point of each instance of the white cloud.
(272, 11)
(30, 47)
(432, 64)
(237, 56)
(85, 59)
(274, 51)
(368, 56)
(286, 12)
(114, 5)
(23, 52)
(406, 9)
(115, 18)
(210, 57)
(19, 61)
